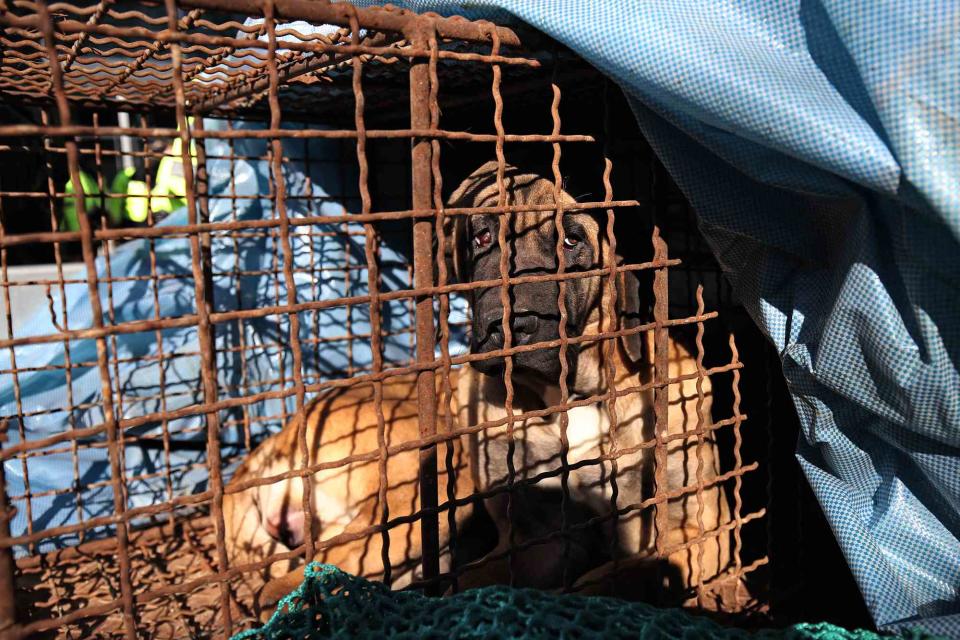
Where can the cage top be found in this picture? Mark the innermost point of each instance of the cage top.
(114, 54)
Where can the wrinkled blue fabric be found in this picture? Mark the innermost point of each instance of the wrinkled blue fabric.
(55, 499)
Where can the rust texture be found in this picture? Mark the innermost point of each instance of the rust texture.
(504, 291)
(564, 363)
(661, 376)
(610, 312)
(422, 195)
(383, 77)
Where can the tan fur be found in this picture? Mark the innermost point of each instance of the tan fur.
(344, 423)
(690, 461)
(538, 443)
(340, 424)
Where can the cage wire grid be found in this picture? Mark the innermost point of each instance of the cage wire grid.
(161, 566)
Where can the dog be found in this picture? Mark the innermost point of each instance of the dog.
(594, 368)
(597, 552)
(342, 429)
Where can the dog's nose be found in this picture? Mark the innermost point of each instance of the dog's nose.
(524, 326)
(286, 528)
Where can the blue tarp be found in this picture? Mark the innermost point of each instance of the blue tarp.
(819, 142)
(247, 275)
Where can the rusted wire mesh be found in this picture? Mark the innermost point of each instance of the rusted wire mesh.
(412, 103)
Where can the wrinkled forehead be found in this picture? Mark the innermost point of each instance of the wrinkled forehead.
(534, 225)
(517, 190)
(541, 226)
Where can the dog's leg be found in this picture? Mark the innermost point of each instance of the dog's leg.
(492, 569)
(539, 558)
(537, 566)
(665, 581)
(642, 577)
(247, 540)
(704, 560)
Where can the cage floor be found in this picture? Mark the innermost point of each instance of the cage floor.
(164, 561)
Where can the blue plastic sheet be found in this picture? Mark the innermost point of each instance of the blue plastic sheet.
(248, 363)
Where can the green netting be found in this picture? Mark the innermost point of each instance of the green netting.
(334, 604)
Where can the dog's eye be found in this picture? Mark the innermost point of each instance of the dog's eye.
(571, 241)
(482, 238)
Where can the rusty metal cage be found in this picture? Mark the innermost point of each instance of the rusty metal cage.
(408, 103)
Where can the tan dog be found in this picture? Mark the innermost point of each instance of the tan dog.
(535, 317)
(268, 519)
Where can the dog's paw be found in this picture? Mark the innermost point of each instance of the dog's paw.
(637, 579)
(270, 595)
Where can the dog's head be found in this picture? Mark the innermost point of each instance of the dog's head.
(474, 254)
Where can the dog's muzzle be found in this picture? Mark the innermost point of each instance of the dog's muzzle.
(525, 328)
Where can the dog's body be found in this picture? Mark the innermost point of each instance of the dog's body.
(537, 443)
(345, 498)
(595, 429)
(268, 519)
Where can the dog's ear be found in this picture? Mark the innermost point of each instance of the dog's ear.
(633, 312)
(477, 188)
(455, 227)
(454, 231)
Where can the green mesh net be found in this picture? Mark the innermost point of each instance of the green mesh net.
(334, 604)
